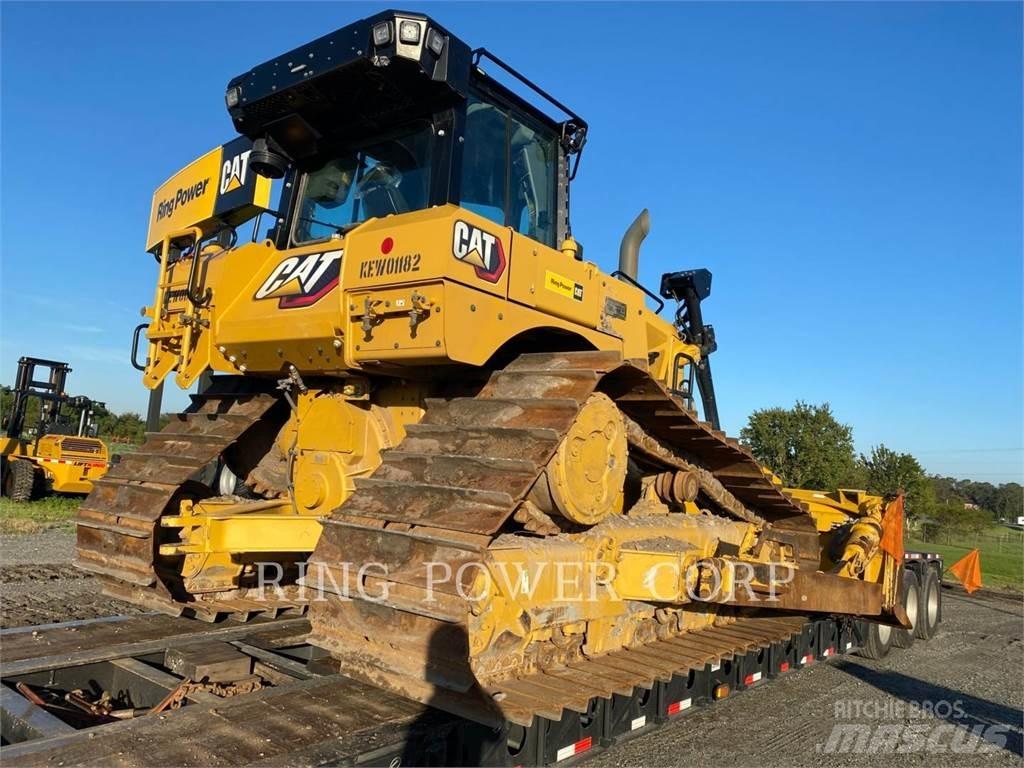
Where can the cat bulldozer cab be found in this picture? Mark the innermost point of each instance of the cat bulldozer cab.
(49, 442)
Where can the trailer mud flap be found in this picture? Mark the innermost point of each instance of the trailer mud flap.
(849, 639)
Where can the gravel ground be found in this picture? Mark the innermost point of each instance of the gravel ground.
(856, 712)
(849, 712)
(38, 584)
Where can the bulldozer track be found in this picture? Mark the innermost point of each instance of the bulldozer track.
(446, 492)
(443, 495)
(118, 524)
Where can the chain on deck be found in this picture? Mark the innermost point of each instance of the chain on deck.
(447, 491)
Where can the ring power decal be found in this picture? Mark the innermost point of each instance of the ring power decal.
(181, 196)
(301, 281)
(483, 250)
(215, 190)
(563, 286)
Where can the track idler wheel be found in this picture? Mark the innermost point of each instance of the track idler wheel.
(677, 487)
(583, 482)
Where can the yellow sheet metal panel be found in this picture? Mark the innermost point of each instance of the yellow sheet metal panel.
(443, 242)
(218, 187)
(555, 283)
(477, 324)
(396, 323)
(275, 307)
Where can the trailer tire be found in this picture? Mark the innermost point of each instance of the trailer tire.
(877, 641)
(911, 597)
(19, 480)
(931, 604)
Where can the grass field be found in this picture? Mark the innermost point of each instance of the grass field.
(55, 511)
(34, 516)
(1002, 563)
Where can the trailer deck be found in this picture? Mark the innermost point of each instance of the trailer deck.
(306, 713)
(135, 691)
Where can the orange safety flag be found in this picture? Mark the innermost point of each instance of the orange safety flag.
(892, 529)
(968, 570)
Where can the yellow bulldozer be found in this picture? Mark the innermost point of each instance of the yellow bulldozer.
(472, 453)
(59, 452)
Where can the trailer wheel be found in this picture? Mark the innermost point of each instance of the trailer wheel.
(904, 638)
(19, 480)
(931, 601)
(877, 642)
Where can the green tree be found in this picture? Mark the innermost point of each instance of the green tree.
(888, 472)
(944, 488)
(985, 495)
(953, 519)
(1009, 501)
(805, 445)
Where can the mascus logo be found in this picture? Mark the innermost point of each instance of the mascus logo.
(479, 248)
(301, 281)
(182, 196)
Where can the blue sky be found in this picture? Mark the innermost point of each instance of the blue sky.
(851, 173)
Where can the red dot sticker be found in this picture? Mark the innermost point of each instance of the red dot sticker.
(386, 245)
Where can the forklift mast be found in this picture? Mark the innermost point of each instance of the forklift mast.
(49, 388)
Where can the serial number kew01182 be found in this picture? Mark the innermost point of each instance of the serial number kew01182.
(389, 265)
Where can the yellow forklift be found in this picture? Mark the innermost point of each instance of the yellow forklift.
(61, 452)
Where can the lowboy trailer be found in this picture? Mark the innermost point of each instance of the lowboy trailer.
(155, 690)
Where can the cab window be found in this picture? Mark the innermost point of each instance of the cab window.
(374, 180)
(483, 161)
(508, 171)
(532, 163)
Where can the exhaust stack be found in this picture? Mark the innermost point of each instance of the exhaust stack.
(629, 250)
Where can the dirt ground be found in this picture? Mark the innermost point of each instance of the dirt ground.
(38, 584)
(955, 701)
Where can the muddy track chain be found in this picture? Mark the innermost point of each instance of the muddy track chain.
(446, 492)
(118, 524)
